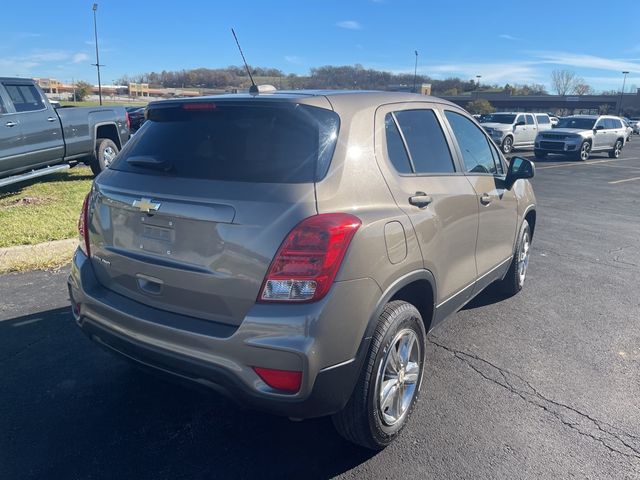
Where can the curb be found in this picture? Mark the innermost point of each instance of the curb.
(40, 256)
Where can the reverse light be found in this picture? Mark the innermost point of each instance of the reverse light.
(83, 226)
(308, 260)
(285, 380)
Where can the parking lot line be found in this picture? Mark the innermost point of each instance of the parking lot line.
(625, 180)
(574, 164)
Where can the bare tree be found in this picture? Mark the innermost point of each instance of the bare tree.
(582, 88)
(563, 81)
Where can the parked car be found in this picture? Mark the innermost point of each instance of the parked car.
(635, 124)
(554, 120)
(37, 139)
(294, 249)
(512, 130)
(628, 125)
(580, 135)
(136, 117)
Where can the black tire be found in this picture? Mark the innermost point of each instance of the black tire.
(361, 421)
(584, 152)
(513, 281)
(507, 145)
(617, 149)
(103, 156)
(539, 154)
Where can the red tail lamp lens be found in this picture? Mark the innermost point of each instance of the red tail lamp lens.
(285, 380)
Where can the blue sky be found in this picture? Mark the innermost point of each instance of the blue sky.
(504, 41)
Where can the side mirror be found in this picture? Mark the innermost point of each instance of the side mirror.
(599, 127)
(519, 168)
(520, 123)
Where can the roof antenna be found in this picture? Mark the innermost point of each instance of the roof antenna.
(253, 89)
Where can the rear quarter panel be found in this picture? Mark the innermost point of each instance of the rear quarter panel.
(79, 126)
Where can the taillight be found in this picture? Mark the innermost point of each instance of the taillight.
(309, 258)
(83, 226)
(285, 380)
(127, 119)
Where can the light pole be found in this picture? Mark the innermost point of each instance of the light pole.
(478, 77)
(624, 80)
(97, 64)
(415, 72)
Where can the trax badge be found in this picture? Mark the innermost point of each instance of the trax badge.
(145, 205)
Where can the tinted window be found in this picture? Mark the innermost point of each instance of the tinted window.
(473, 143)
(520, 119)
(3, 109)
(505, 118)
(426, 141)
(284, 143)
(395, 146)
(543, 119)
(530, 120)
(25, 98)
(580, 123)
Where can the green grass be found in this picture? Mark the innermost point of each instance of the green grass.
(43, 209)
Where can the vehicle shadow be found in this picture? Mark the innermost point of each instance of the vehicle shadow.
(70, 410)
(488, 296)
(78, 172)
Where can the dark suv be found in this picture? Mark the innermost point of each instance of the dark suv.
(292, 250)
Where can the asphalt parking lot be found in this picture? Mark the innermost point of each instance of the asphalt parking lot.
(543, 385)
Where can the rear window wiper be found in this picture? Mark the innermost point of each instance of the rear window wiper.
(149, 162)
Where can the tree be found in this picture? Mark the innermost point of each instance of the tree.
(563, 81)
(583, 89)
(81, 91)
(604, 109)
(480, 106)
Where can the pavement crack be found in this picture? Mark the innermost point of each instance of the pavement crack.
(618, 264)
(613, 438)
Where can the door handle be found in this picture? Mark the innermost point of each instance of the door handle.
(11, 124)
(485, 199)
(51, 119)
(420, 199)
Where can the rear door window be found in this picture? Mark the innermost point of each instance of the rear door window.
(530, 120)
(25, 98)
(543, 119)
(274, 143)
(428, 148)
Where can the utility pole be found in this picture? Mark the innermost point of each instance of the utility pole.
(97, 64)
(415, 72)
(622, 92)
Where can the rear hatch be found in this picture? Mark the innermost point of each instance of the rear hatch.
(193, 210)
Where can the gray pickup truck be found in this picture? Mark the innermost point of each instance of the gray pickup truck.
(37, 139)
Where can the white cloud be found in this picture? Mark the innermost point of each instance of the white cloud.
(587, 61)
(512, 72)
(349, 25)
(293, 59)
(80, 57)
(506, 36)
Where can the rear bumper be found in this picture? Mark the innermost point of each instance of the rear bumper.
(315, 338)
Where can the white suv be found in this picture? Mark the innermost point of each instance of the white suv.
(512, 129)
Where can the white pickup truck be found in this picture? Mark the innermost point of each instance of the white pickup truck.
(512, 130)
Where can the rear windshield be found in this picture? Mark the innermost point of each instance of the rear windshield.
(281, 143)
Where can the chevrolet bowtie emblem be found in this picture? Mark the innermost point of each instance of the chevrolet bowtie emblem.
(146, 205)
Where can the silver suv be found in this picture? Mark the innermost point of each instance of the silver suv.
(512, 130)
(292, 250)
(580, 135)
